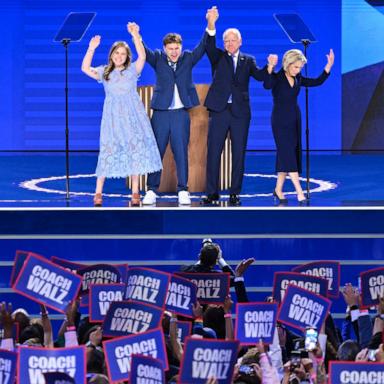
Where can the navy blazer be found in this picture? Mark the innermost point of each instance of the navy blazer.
(166, 77)
(225, 82)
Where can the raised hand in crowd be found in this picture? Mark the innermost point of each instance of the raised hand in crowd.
(47, 327)
(243, 266)
(351, 295)
(6, 319)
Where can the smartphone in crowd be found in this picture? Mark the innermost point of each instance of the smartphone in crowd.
(311, 336)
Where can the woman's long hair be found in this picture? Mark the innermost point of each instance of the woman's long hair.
(111, 66)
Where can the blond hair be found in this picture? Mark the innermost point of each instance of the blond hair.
(292, 56)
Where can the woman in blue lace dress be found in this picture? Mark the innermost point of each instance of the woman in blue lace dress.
(127, 143)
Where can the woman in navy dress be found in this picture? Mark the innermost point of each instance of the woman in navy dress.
(286, 116)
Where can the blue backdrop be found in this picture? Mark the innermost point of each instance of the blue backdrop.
(32, 66)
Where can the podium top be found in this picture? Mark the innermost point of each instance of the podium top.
(74, 26)
(295, 28)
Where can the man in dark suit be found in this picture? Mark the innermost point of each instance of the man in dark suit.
(228, 105)
(174, 94)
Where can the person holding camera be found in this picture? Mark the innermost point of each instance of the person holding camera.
(209, 256)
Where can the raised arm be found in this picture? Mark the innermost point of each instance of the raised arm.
(87, 60)
(270, 76)
(313, 82)
(212, 51)
(134, 30)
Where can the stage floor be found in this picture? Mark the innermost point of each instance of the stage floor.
(337, 180)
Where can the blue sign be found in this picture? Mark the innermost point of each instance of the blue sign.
(204, 359)
(147, 285)
(8, 362)
(145, 369)
(98, 274)
(100, 298)
(372, 286)
(343, 372)
(48, 284)
(181, 296)
(255, 322)
(329, 270)
(184, 329)
(281, 281)
(118, 352)
(129, 317)
(212, 288)
(301, 308)
(35, 361)
(73, 267)
(18, 263)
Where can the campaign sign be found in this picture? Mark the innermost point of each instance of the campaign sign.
(58, 378)
(329, 270)
(18, 263)
(181, 295)
(147, 285)
(302, 308)
(212, 288)
(118, 352)
(73, 267)
(145, 369)
(128, 317)
(8, 362)
(100, 298)
(281, 281)
(98, 274)
(255, 322)
(204, 359)
(47, 283)
(184, 329)
(372, 286)
(348, 372)
(35, 361)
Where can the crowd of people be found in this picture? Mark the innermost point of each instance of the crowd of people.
(286, 360)
(130, 145)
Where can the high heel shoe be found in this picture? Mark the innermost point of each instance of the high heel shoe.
(281, 201)
(303, 202)
(98, 200)
(135, 199)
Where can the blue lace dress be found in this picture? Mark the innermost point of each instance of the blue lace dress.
(127, 143)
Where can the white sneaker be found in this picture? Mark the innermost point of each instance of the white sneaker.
(149, 198)
(184, 198)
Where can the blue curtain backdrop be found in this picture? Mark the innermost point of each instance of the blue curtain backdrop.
(32, 65)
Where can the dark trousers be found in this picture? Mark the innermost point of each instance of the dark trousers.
(172, 126)
(219, 125)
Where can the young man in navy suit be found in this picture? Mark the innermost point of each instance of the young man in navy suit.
(228, 105)
(173, 95)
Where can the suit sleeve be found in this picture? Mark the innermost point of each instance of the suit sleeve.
(199, 50)
(270, 80)
(213, 52)
(150, 56)
(314, 82)
(257, 73)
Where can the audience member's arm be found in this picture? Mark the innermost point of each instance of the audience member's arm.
(7, 322)
(269, 373)
(47, 327)
(175, 343)
(228, 318)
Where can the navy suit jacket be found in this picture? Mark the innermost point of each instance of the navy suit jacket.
(225, 82)
(166, 77)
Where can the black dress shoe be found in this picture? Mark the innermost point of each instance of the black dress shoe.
(210, 199)
(303, 202)
(234, 200)
(280, 201)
